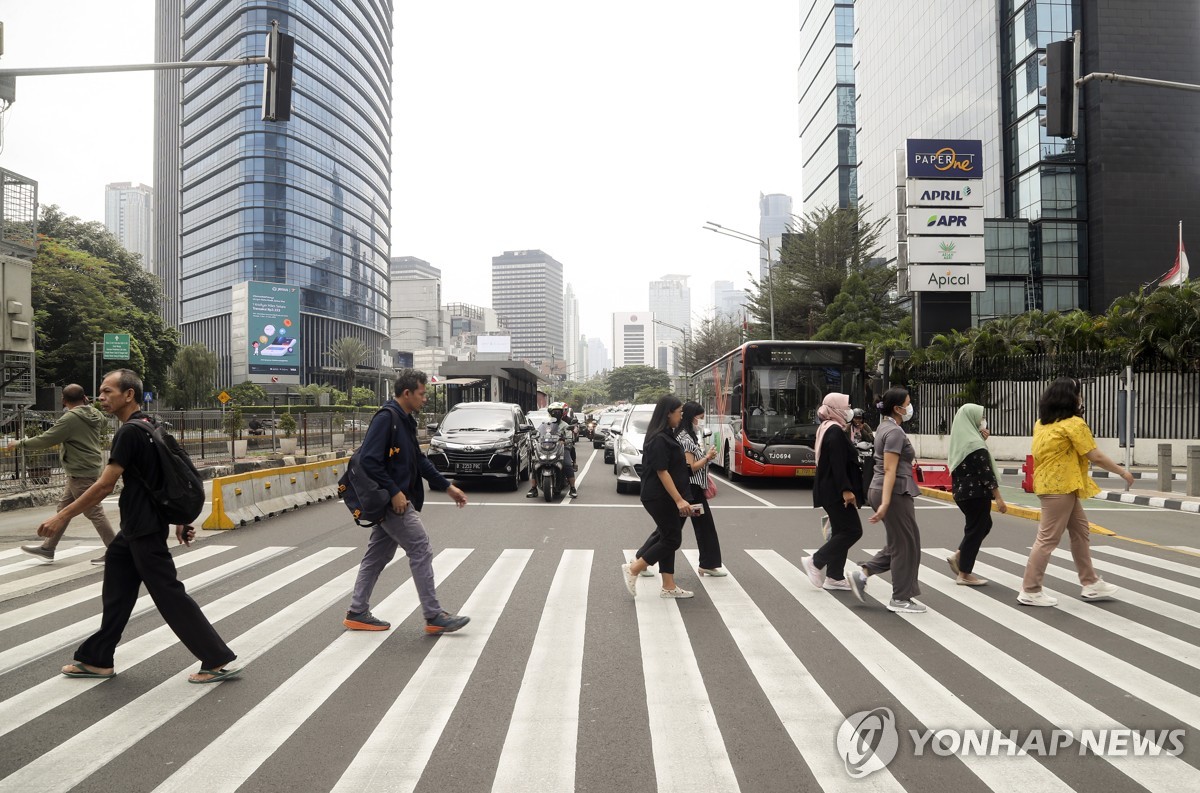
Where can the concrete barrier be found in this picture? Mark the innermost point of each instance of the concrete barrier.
(243, 498)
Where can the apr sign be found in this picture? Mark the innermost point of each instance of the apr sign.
(945, 278)
(937, 221)
(944, 159)
(943, 193)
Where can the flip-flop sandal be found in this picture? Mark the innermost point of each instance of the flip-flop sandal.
(217, 674)
(83, 672)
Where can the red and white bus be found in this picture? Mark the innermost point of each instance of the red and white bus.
(761, 399)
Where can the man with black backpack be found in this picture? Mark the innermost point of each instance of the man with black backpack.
(139, 554)
(392, 459)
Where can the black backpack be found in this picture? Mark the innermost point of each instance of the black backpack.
(367, 501)
(180, 499)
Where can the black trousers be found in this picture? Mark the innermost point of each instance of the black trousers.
(845, 529)
(706, 531)
(660, 547)
(978, 512)
(129, 563)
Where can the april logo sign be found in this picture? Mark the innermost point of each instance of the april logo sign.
(867, 741)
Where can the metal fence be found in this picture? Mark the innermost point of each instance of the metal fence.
(1166, 396)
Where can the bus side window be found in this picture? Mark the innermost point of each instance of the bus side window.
(735, 402)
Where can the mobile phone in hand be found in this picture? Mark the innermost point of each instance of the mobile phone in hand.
(697, 509)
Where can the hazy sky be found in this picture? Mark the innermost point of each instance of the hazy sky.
(603, 134)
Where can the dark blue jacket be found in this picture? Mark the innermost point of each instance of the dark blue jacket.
(394, 459)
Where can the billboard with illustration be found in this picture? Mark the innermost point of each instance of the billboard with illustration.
(273, 338)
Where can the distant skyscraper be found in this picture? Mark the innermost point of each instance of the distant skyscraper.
(527, 293)
(670, 302)
(571, 334)
(416, 300)
(129, 215)
(827, 111)
(633, 338)
(304, 202)
(598, 360)
(729, 301)
(774, 215)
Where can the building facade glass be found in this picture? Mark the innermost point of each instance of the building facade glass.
(304, 202)
(828, 126)
(527, 294)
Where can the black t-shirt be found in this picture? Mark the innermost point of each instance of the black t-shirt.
(662, 452)
(132, 450)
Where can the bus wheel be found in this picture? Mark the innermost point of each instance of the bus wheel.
(729, 474)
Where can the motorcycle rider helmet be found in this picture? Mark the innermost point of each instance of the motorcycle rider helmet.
(858, 413)
(557, 410)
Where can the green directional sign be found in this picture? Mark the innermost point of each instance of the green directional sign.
(116, 346)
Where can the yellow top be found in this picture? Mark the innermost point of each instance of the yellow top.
(1059, 458)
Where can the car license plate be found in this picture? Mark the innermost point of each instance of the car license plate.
(806, 472)
(470, 468)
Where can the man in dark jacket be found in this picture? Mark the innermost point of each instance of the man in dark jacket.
(392, 458)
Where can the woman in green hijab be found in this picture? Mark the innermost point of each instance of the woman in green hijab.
(975, 483)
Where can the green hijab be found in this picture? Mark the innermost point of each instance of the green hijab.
(965, 436)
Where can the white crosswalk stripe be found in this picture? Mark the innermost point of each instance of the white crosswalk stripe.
(1185, 590)
(532, 735)
(16, 561)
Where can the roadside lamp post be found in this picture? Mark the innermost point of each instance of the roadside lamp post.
(744, 237)
(685, 333)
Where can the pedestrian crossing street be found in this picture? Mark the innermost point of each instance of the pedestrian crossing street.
(561, 682)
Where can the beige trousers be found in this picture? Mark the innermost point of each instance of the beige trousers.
(76, 485)
(1059, 513)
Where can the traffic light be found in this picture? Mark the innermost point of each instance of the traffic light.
(1062, 95)
(277, 83)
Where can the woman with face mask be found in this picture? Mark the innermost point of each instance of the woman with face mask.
(892, 495)
(837, 488)
(975, 483)
(698, 460)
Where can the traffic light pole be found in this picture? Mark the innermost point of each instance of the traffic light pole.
(1112, 77)
(131, 67)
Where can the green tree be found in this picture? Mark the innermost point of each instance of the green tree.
(364, 396)
(715, 337)
(349, 352)
(861, 315)
(625, 381)
(650, 394)
(192, 377)
(248, 393)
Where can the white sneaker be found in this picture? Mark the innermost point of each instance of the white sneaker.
(675, 593)
(1101, 590)
(906, 606)
(834, 585)
(630, 579)
(816, 575)
(1036, 599)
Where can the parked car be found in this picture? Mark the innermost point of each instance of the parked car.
(604, 423)
(627, 448)
(482, 440)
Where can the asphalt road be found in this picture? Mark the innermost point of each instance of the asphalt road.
(564, 682)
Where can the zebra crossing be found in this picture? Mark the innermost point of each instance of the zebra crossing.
(803, 659)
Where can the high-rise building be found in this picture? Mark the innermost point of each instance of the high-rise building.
(527, 293)
(827, 104)
(633, 338)
(774, 218)
(571, 334)
(129, 215)
(671, 305)
(168, 132)
(729, 302)
(415, 288)
(598, 360)
(304, 202)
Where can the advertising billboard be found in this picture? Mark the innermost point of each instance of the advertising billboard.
(950, 221)
(934, 158)
(945, 278)
(273, 325)
(493, 344)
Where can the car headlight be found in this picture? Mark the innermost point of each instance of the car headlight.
(437, 443)
(628, 448)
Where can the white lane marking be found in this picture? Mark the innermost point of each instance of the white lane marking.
(50, 605)
(55, 640)
(539, 750)
(32, 702)
(1162, 608)
(416, 719)
(806, 711)
(1191, 571)
(73, 761)
(928, 700)
(1184, 590)
(686, 743)
(741, 490)
(25, 562)
(232, 756)
(579, 475)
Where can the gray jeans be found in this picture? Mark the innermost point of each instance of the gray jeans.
(76, 486)
(408, 532)
(902, 553)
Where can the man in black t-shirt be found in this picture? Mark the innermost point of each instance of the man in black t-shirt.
(139, 554)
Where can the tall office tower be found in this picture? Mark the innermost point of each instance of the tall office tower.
(633, 338)
(527, 293)
(168, 130)
(827, 114)
(581, 344)
(774, 216)
(729, 302)
(598, 360)
(129, 215)
(571, 334)
(415, 289)
(304, 202)
(671, 305)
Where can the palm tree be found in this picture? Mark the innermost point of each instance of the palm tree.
(349, 352)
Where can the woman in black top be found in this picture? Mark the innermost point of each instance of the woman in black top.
(664, 481)
(975, 482)
(838, 489)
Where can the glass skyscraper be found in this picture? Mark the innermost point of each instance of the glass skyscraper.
(828, 130)
(303, 202)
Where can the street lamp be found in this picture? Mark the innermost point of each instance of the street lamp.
(685, 333)
(744, 237)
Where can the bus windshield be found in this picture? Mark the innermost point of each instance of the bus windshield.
(784, 388)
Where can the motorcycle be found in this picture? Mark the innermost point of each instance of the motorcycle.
(866, 459)
(549, 452)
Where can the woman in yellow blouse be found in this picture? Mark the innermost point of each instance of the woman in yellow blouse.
(1062, 448)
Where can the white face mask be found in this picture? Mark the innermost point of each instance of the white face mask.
(848, 415)
(983, 425)
(908, 412)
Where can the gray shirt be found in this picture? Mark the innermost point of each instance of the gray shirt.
(890, 437)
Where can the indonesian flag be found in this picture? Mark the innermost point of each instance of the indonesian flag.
(1179, 273)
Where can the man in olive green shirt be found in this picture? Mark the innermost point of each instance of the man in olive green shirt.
(78, 431)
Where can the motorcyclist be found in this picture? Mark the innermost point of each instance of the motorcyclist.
(558, 420)
(858, 429)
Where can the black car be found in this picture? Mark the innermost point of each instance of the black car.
(604, 423)
(482, 440)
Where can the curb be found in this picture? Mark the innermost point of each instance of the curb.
(1178, 477)
(1149, 501)
(1016, 511)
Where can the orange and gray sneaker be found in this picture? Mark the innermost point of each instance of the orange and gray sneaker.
(445, 623)
(365, 621)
